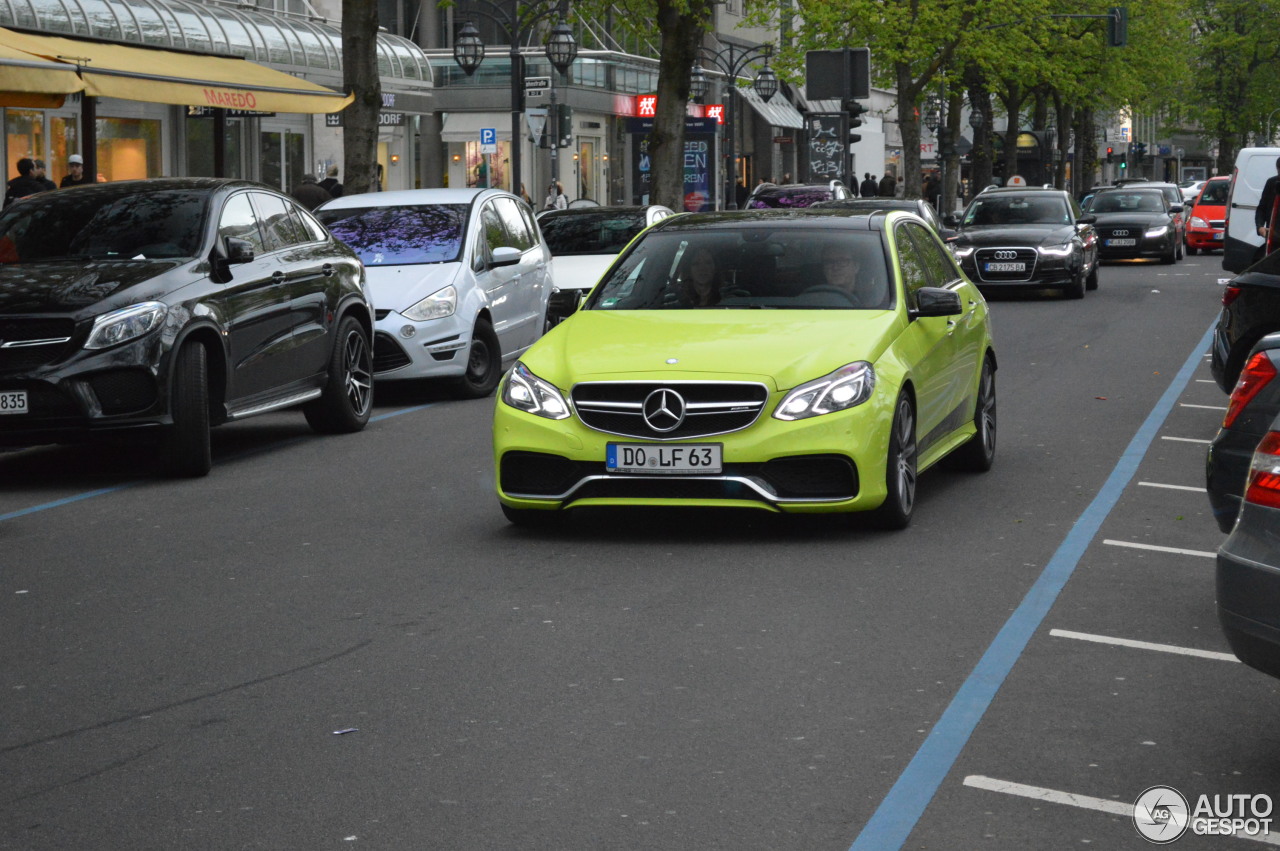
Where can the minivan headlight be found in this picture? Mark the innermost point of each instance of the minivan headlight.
(527, 392)
(438, 305)
(847, 387)
(128, 323)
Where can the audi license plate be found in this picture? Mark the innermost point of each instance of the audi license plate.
(13, 402)
(656, 459)
(1006, 267)
(1121, 243)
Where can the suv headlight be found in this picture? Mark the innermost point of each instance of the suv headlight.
(129, 323)
(1057, 250)
(1160, 231)
(527, 392)
(438, 305)
(847, 387)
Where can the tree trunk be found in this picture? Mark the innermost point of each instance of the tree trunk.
(909, 124)
(1064, 113)
(982, 155)
(360, 76)
(1012, 98)
(681, 34)
(1085, 174)
(951, 190)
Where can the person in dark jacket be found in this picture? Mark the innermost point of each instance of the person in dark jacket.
(309, 193)
(886, 186)
(39, 175)
(330, 184)
(24, 184)
(75, 175)
(1262, 215)
(869, 186)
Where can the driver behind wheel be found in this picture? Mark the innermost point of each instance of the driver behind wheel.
(842, 269)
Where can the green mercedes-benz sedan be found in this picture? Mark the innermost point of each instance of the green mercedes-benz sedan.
(792, 361)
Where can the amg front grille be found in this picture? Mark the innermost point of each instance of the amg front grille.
(1005, 264)
(675, 410)
(387, 353)
(27, 342)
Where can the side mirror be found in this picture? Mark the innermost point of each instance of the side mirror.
(935, 301)
(1087, 219)
(504, 256)
(1176, 208)
(237, 250)
(951, 220)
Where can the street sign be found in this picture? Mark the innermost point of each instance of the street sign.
(536, 118)
(536, 87)
(488, 140)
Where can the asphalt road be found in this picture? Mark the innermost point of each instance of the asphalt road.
(338, 642)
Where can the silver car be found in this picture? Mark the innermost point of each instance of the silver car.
(460, 280)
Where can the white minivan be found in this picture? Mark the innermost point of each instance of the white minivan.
(1242, 244)
(460, 280)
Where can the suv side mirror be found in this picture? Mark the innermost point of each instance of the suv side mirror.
(237, 250)
(1087, 219)
(935, 301)
(504, 256)
(951, 220)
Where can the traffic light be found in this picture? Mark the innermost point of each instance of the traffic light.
(1124, 166)
(1140, 151)
(855, 110)
(1111, 153)
(564, 125)
(1118, 26)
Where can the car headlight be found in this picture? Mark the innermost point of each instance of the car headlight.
(962, 251)
(848, 386)
(527, 392)
(1197, 222)
(438, 305)
(129, 323)
(1057, 250)
(1160, 231)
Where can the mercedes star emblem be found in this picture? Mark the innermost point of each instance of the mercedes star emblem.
(664, 410)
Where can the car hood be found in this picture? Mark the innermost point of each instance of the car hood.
(399, 288)
(579, 271)
(781, 348)
(73, 285)
(1133, 218)
(1016, 235)
(1210, 211)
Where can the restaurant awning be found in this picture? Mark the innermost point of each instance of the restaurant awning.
(777, 111)
(29, 81)
(466, 126)
(185, 79)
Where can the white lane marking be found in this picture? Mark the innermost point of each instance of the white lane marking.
(1159, 549)
(1144, 645)
(1205, 380)
(1084, 802)
(1203, 407)
(1173, 487)
(1187, 439)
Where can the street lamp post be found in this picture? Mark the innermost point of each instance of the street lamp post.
(1271, 138)
(732, 60)
(935, 120)
(561, 50)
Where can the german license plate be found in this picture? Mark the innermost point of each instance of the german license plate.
(13, 402)
(1006, 267)
(1122, 243)
(657, 459)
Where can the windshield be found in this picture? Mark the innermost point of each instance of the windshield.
(400, 236)
(1017, 210)
(133, 225)
(1215, 192)
(802, 197)
(750, 268)
(1128, 202)
(590, 233)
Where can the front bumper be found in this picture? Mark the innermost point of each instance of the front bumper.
(1047, 271)
(1205, 239)
(1156, 246)
(436, 348)
(831, 463)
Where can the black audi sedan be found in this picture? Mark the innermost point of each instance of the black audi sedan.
(1026, 238)
(154, 309)
(1136, 221)
(1250, 311)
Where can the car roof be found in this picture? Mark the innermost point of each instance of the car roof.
(601, 210)
(797, 218)
(1008, 190)
(414, 198)
(170, 183)
(1132, 187)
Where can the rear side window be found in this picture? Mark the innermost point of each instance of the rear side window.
(280, 229)
(239, 222)
(400, 236)
(590, 233)
(517, 230)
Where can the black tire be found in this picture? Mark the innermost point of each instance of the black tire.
(1192, 250)
(1181, 246)
(1171, 256)
(977, 455)
(1075, 289)
(532, 518)
(347, 400)
(1091, 282)
(184, 448)
(900, 469)
(484, 364)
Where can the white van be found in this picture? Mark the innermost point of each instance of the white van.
(1242, 244)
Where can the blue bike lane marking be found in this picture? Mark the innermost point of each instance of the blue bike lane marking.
(902, 807)
(58, 503)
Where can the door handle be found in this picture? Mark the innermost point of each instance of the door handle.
(277, 276)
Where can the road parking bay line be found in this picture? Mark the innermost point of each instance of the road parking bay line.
(901, 809)
(1172, 487)
(1202, 407)
(1144, 645)
(1175, 550)
(1084, 802)
(1188, 439)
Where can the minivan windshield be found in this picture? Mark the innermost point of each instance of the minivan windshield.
(749, 268)
(131, 224)
(1215, 192)
(400, 236)
(590, 232)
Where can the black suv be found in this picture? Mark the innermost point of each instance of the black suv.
(157, 308)
(1026, 238)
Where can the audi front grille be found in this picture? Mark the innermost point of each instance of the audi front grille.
(1026, 256)
(668, 410)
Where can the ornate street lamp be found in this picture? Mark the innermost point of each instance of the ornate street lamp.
(732, 61)
(766, 84)
(561, 47)
(468, 49)
(697, 83)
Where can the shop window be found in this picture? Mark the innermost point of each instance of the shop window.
(24, 135)
(200, 146)
(128, 148)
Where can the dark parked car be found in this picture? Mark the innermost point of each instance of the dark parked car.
(1248, 570)
(1026, 237)
(919, 206)
(1250, 311)
(158, 308)
(1255, 402)
(1136, 221)
(768, 196)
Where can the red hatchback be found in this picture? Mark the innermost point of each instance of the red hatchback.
(1208, 216)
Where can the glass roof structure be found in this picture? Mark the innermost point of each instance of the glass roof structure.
(294, 42)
